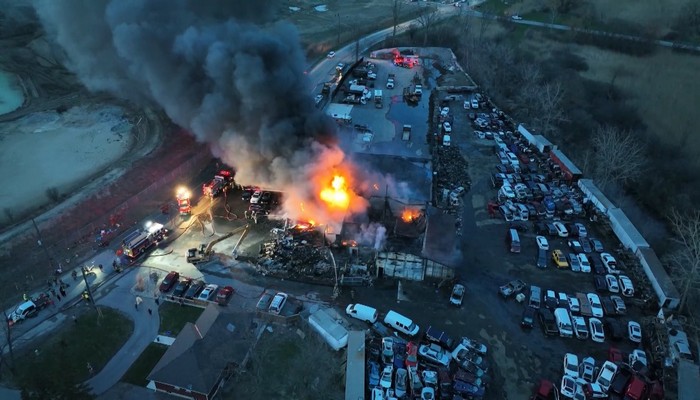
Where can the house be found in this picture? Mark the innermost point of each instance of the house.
(204, 355)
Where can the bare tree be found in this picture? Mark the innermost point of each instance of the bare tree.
(427, 20)
(550, 110)
(685, 260)
(618, 157)
(395, 15)
(688, 20)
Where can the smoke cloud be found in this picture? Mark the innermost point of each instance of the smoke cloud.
(221, 69)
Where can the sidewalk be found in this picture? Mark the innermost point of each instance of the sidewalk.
(145, 331)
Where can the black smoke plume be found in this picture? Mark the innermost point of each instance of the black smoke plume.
(221, 69)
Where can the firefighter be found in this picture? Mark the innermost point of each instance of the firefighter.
(86, 296)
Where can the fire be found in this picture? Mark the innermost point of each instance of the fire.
(409, 215)
(337, 195)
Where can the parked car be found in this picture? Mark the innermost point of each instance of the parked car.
(433, 353)
(467, 389)
(386, 377)
(596, 330)
(446, 127)
(601, 285)
(559, 259)
(542, 258)
(626, 286)
(585, 264)
(609, 263)
(182, 287)
(512, 288)
(606, 374)
(575, 246)
(550, 299)
(574, 262)
(571, 365)
(568, 386)
(411, 355)
(637, 356)
(545, 391)
(561, 229)
(457, 295)
(580, 328)
(581, 230)
(373, 373)
(573, 304)
(401, 386)
(278, 303)
(542, 242)
(611, 282)
(586, 245)
(619, 305)
(194, 289)
(387, 350)
(478, 347)
(224, 295)
(597, 245)
(586, 370)
(548, 323)
(634, 331)
(440, 337)
(528, 319)
(169, 281)
(208, 292)
(264, 302)
(596, 306)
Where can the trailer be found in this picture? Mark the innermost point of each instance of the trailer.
(595, 196)
(571, 172)
(624, 229)
(666, 292)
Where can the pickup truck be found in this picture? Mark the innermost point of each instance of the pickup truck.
(512, 288)
(440, 337)
(29, 309)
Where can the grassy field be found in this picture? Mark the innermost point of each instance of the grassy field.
(136, 375)
(174, 316)
(65, 354)
(322, 31)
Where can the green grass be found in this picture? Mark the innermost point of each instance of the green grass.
(136, 375)
(497, 7)
(173, 317)
(66, 353)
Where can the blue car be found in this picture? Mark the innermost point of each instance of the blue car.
(373, 374)
(467, 389)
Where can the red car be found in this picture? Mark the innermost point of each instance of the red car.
(615, 355)
(545, 391)
(169, 281)
(224, 295)
(411, 354)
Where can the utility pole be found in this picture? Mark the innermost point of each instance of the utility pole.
(41, 244)
(91, 298)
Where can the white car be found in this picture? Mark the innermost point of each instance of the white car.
(542, 242)
(377, 394)
(585, 263)
(208, 292)
(467, 105)
(385, 380)
(626, 286)
(581, 228)
(638, 355)
(445, 111)
(331, 54)
(596, 329)
(606, 375)
(561, 229)
(387, 350)
(427, 393)
(568, 386)
(255, 198)
(516, 17)
(434, 353)
(512, 158)
(596, 305)
(611, 281)
(580, 328)
(571, 365)
(635, 331)
(475, 104)
(609, 262)
(574, 304)
(474, 345)
(587, 369)
(446, 127)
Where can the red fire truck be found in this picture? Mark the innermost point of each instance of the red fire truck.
(137, 242)
(184, 201)
(221, 181)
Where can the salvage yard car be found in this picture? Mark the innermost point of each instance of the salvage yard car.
(596, 329)
(512, 288)
(542, 242)
(580, 329)
(457, 295)
(634, 331)
(528, 319)
(548, 323)
(626, 286)
(596, 306)
(559, 259)
(434, 353)
(478, 347)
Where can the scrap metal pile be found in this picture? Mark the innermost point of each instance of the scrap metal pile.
(296, 252)
(451, 168)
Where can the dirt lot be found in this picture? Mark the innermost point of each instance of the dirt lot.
(290, 364)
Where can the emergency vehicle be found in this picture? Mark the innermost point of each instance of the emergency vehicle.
(184, 202)
(137, 242)
(221, 181)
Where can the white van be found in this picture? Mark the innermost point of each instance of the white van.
(362, 312)
(561, 315)
(401, 323)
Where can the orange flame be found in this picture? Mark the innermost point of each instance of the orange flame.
(409, 215)
(337, 195)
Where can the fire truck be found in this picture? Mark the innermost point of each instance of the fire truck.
(139, 241)
(222, 181)
(184, 202)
